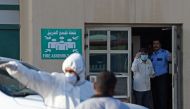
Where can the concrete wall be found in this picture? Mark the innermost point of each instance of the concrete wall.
(9, 16)
(12, 2)
(109, 11)
(26, 31)
(134, 11)
(37, 14)
(186, 54)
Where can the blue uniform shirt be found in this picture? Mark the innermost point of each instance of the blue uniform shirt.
(160, 60)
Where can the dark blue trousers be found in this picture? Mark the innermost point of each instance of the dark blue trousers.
(160, 90)
(143, 98)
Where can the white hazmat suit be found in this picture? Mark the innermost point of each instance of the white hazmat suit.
(102, 103)
(56, 91)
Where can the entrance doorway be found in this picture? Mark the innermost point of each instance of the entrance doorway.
(143, 37)
(170, 37)
(113, 47)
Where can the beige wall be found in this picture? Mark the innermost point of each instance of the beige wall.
(186, 55)
(59, 14)
(37, 14)
(48, 14)
(159, 11)
(134, 11)
(26, 33)
(109, 11)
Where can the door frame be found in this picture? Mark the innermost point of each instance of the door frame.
(177, 59)
(177, 100)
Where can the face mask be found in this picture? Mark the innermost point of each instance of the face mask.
(144, 57)
(71, 78)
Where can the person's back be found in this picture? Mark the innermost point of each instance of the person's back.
(104, 90)
(101, 103)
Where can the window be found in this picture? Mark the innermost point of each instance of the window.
(108, 49)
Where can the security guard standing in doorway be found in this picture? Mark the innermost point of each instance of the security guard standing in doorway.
(160, 83)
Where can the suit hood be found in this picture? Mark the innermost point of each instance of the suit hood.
(76, 62)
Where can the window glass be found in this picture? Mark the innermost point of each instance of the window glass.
(98, 62)
(119, 40)
(119, 63)
(121, 86)
(98, 40)
(12, 87)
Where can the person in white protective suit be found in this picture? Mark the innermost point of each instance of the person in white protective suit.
(59, 90)
(104, 90)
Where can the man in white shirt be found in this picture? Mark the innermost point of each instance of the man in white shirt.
(104, 90)
(143, 71)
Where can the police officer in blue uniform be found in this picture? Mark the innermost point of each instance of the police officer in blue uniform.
(160, 83)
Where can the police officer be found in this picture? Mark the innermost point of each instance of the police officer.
(160, 84)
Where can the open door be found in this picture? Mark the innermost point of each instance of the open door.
(176, 67)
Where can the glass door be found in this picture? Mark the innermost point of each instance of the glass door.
(109, 48)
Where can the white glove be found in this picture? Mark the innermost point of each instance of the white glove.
(9, 66)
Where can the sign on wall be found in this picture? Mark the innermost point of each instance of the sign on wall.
(60, 43)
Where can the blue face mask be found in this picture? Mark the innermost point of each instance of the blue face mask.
(71, 78)
(144, 57)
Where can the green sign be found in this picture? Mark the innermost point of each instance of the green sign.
(60, 43)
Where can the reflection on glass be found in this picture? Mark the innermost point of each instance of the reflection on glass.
(98, 40)
(12, 87)
(98, 62)
(121, 86)
(119, 40)
(119, 63)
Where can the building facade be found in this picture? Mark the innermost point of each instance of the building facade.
(110, 33)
